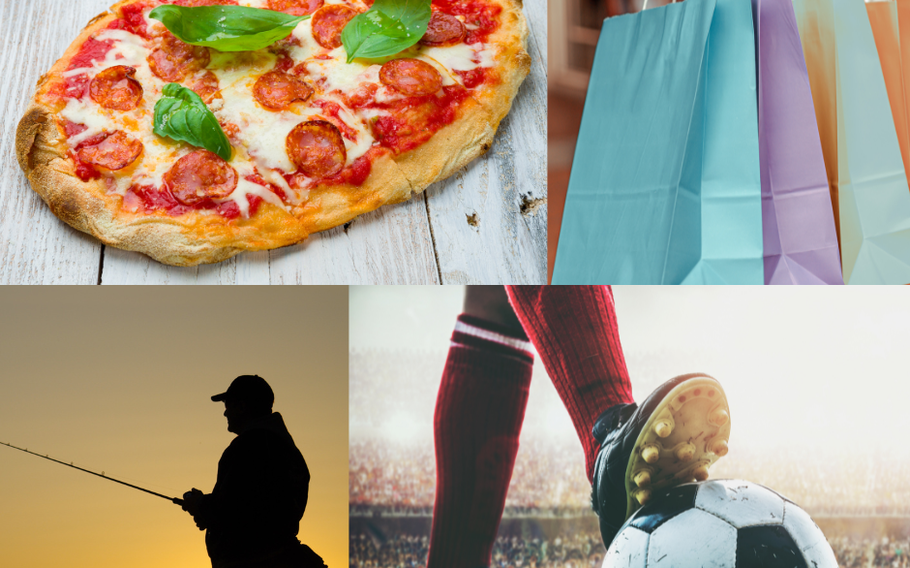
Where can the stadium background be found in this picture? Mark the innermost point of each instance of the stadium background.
(817, 385)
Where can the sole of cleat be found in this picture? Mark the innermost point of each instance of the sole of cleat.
(699, 416)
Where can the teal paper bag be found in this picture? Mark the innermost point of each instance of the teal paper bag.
(665, 185)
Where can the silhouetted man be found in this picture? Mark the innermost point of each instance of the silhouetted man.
(252, 516)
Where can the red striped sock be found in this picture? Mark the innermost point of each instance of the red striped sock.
(575, 333)
(479, 411)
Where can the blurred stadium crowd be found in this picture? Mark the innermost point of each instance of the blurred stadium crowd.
(549, 480)
(578, 551)
(392, 473)
(585, 551)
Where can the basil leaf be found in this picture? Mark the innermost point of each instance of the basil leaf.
(182, 115)
(388, 28)
(226, 28)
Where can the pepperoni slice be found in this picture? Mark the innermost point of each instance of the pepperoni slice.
(295, 7)
(207, 87)
(114, 152)
(316, 147)
(277, 90)
(173, 60)
(443, 29)
(411, 77)
(329, 22)
(200, 176)
(115, 88)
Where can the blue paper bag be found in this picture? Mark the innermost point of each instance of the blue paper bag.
(665, 185)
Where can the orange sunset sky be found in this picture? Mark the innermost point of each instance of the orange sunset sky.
(119, 380)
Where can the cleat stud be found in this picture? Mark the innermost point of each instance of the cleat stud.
(664, 428)
(697, 392)
(711, 392)
(642, 479)
(642, 496)
(720, 448)
(650, 453)
(719, 417)
(686, 452)
(700, 473)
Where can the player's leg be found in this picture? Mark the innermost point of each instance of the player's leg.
(679, 430)
(575, 332)
(479, 410)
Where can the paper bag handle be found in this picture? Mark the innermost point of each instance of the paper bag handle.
(644, 6)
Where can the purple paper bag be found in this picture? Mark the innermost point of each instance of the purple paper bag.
(800, 240)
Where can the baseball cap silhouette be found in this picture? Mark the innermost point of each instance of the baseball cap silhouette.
(251, 389)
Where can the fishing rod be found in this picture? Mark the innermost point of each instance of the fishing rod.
(101, 475)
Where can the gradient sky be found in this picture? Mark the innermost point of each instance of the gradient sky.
(119, 380)
(815, 368)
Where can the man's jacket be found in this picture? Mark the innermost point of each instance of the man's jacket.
(260, 494)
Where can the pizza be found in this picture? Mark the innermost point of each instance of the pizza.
(192, 154)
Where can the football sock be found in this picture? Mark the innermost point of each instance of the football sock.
(479, 411)
(575, 333)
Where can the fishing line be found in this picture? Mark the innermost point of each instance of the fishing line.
(101, 475)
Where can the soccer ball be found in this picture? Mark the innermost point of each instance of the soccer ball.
(725, 523)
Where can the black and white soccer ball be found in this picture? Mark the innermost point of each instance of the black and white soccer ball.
(725, 523)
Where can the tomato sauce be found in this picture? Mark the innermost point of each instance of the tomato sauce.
(76, 87)
(284, 62)
(330, 110)
(413, 121)
(355, 174)
(151, 199)
(230, 210)
(84, 171)
(484, 17)
(257, 179)
(473, 78)
(132, 21)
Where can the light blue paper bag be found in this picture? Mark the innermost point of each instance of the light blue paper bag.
(665, 185)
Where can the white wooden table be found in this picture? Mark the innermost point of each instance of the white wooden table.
(428, 240)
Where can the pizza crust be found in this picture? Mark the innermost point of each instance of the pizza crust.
(512, 62)
(197, 238)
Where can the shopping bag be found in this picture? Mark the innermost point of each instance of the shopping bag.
(800, 240)
(665, 184)
(883, 18)
(865, 171)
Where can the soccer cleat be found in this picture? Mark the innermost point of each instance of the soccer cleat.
(672, 438)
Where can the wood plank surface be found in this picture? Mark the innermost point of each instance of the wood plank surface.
(36, 248)
(485, 225)
(496, 208)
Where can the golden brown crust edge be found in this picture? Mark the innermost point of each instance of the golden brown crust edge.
(512, 59)
(51, 176)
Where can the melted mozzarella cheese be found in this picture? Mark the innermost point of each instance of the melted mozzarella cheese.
(342, 76)
(246, 188)
(364, 137)
(309, 47)
(265, 131)
(459, 57)
(129, 50)
(79, 112)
